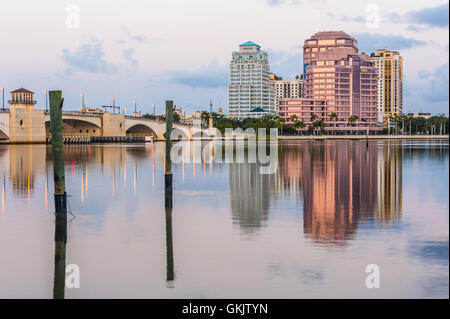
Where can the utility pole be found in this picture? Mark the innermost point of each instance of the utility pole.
(56, 103)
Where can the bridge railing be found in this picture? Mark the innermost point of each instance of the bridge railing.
(141, 134)
(129, 117)
(74, 135)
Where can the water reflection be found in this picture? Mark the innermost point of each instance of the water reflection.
(325, 195)
(250, 194)
(339, 183)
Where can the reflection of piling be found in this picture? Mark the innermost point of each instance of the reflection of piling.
(169, 243)
(168, 191)
(60, 193)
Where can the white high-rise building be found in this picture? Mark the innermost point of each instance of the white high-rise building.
(286, 89)
(249, 91)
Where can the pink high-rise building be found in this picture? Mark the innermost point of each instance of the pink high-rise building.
(340, 88)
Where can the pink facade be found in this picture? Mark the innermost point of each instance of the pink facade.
(338, 81)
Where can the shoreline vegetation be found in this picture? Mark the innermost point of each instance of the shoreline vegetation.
(400, 124)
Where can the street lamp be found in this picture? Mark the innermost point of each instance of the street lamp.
(114, 105)
(3, 91)
(82, 100)
(46, 101)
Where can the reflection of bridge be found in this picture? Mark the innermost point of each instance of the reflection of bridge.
(33, 125)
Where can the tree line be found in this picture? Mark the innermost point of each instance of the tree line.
(398, 123)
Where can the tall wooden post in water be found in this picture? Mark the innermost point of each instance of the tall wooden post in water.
(56, 103)
(168, 192)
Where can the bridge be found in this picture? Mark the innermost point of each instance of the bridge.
(33, 125)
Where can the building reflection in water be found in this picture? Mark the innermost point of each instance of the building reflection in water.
(24, 162)
(389, 191)
(250, 194)
(341, 182)
(339, 187)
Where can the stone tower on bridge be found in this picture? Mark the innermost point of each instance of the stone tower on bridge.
(25, 122)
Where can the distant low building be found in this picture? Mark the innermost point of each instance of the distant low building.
(90, 110)
(420, 114)
(257, 112)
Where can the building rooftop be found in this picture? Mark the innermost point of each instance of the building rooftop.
(249, 44)
(328, 35)
(258, 110)
(21, 90)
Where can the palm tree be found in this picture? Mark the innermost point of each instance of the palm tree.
(299, 124)
(282, 122)
(318, 124)
(333, 117)
(351, 121)
(294, 117)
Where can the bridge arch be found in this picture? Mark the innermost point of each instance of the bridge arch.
(3, 135)
(77, 127)
(141, 130)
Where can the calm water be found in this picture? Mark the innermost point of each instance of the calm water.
(309, 230)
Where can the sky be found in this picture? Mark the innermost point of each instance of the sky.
(152, 51)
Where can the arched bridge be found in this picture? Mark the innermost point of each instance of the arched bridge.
(34, 125)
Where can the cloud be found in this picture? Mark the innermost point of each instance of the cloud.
(427, 17)
(127, 55)
(88, 58)
(370, 42)
(433, 16)
(344, 18)
(434, 86)
(138, 37)
(274, 3)
(286, 64)
(209, 76)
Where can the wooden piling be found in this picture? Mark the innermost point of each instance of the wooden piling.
(168, 161)
(56, 103)
(168, 192)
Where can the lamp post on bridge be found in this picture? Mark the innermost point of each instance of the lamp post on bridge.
(3, 92)
(82, 100)
(46, 100)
